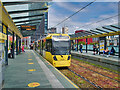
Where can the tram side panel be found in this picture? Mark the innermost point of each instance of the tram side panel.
(48, 56)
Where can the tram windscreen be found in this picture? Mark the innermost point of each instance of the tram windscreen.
(61, 47)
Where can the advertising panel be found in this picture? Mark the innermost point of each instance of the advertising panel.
(115, 42)
(101, 45)
(108, 43)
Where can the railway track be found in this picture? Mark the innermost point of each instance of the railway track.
(96, 79)
(64, 70)
(99, 63)
(97, 72)
(85, 79)
(93, 65)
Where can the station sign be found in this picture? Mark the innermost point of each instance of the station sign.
(28, 27)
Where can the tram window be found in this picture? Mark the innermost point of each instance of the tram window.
(49, 45)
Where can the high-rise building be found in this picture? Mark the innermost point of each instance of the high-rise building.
(64, 30)
(42, 27)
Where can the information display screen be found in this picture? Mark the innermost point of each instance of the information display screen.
(28, 27)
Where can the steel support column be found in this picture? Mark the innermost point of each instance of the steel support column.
(6, 48)
(86, 45)
(16, 45)
(99, 45)
(19, 45)
(42, 46)
(77, 44)
(13, 45)
(119, 46)
(72, 45)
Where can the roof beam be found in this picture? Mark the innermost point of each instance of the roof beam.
(27, 20)
(90, 32)
(78, 34)
(82, 33)
(102, 30)
(15, 3)
(109, 29)
(27, 23)
(24, 11)
(96, 31)
(27, 16)
(115, 26)
(6, 19)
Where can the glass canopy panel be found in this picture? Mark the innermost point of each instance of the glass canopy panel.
(109, 27)
(17, 8)
(12, 7)
(12, 0)
(104, 30)
(79, 34)
(25, 6)
(95, 31)
(88, 33)
(116, 25)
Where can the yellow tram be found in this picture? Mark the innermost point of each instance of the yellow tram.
(56, 49)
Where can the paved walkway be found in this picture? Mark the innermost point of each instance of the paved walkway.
(29, 70)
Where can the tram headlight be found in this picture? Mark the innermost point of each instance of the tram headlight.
(55, 58)
(68, 57)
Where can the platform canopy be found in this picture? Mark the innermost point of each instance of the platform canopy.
(7, 20)
(109, 30)
(25, 13)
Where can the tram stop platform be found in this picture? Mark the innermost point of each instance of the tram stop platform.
(30, 70)
(113, 60)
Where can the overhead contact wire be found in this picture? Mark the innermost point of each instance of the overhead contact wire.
(101, 20)
(75, 13)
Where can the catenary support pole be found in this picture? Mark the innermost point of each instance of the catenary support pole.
(13, 45)
(6, 48)
(19, 45)
(119, 46)
(16, 45)
(86, 45)
(77, 44)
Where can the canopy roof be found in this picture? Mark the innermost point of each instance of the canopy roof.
(15, 18)
(109, 30)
